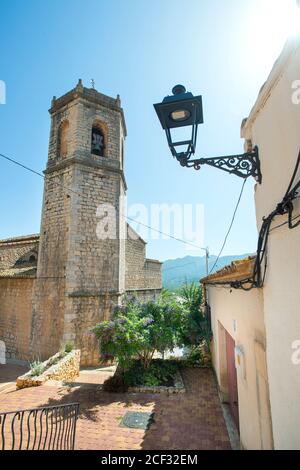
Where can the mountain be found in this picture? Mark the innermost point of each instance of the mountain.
(176, 272)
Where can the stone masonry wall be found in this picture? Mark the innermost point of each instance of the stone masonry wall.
(144, 295)
(95, 269)
(85, 269)
(15, 316)
(62, 369)
(80, 272)
(141, 273)
(49, 292)
(88, 311)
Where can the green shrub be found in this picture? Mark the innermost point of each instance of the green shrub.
(159, 373)
(69, 346)
(36, 368)
(196, 356)
(137, 330)
(53, 360)
(115, 384)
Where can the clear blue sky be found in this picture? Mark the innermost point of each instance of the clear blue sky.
(222, 49)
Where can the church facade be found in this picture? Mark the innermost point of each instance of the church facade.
(56, 285)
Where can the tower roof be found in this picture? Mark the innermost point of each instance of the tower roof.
(91, 95)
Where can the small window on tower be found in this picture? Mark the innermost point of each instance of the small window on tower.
(122, 155)
(98, 145)
(63, 139)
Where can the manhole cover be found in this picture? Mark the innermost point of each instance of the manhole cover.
(137, 420)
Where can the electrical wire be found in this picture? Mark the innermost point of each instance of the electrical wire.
(230, 227)
(21, 165)
(242, 284)
(179, 267)
(284, 207)
(259, 274)
(35, 172)
(163, 233)
(284, 223)
(11, 160)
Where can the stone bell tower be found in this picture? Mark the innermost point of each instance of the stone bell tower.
(81, 265)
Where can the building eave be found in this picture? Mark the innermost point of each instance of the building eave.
(20, 240)
(236, 271)
(138, 237)
(21, 273)
(154, 261)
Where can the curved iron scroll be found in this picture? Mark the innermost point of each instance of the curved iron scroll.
(244, 165)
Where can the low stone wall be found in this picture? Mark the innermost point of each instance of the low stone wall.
(67, 368)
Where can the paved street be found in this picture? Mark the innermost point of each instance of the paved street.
(191, 421)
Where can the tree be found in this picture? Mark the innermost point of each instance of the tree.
(138, 329)
(196, 328)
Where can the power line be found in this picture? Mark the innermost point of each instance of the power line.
(21, 165)
(179, 267)
(184, 265)
(163, 233)
(11, 160)
(285, 223)
(285, 206)
(36, 172)
(230, 227)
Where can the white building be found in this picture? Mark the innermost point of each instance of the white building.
(264, 324)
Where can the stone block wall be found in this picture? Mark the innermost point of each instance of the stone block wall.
(67, 368)
(141, 273)
(15, 316)
(81, 108)
(89, 310)
(80, 273)
(93, 261)
(144, 295)
(83, 194)
(49, 293)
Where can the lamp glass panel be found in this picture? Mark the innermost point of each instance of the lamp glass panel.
(180, 115)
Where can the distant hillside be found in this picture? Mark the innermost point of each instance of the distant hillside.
(192, 268)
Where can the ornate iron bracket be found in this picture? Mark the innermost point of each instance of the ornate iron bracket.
(244, 165)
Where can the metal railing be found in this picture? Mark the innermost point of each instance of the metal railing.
(47, 428)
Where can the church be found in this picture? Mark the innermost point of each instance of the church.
(56, 285)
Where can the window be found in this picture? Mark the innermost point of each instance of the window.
(27, 258)
(63, 139)
(122, 155)
(98, 144)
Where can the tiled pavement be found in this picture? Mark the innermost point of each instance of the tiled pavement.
(8, 374)
(192, 421)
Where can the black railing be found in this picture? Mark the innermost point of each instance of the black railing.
(48, 428)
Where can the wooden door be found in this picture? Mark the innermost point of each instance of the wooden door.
(232, 379)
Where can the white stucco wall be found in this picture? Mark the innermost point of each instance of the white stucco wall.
(241, 314)
(274, 126)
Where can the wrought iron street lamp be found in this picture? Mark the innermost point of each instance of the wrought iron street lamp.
(184, 109)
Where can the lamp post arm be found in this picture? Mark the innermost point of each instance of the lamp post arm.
(244, 165)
